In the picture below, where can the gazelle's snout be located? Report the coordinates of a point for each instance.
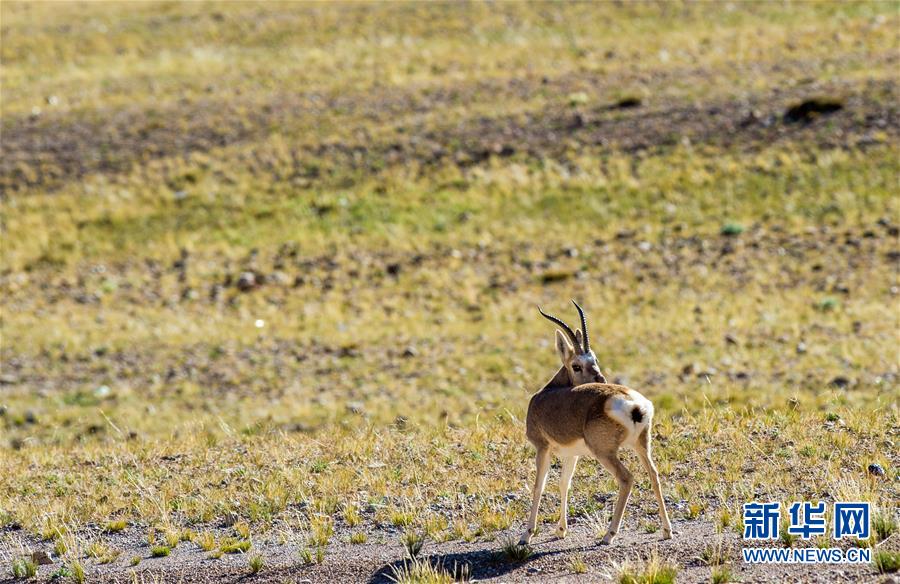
(598, 377)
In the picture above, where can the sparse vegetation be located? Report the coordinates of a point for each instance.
(654, 570)
(884, 523)
(422, 572)
(886, 561)
(513, 551)
(116, 526)
(235, 546)
(257, 282)
(23, 567)
(721, 574)
(256, 563)
(160, 551)
(412, 543)
(578, 565)
(206, 540)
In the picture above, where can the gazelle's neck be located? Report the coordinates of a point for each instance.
(561, 379)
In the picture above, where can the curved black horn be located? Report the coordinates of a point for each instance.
(563, 326)
(587, 341)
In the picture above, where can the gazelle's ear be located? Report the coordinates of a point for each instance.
(564, 347)
(578, 337)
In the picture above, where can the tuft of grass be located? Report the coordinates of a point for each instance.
(103, 553)
(424, 572)
(732, 229)
(359, 537)
(321, 529)
(76, 571)
(115, 526)
(884, 524)
(886, 561)
(206, 540)
(24, 567)
(235, 546)
(402, 518)
(513, 551)
(827, 304)
(578, 565)
(721, 574)
(242, 530)
(134, 561)
(173, 538)
(787, 538)
(351, 515)
(160, 551)
(412, 543)
(655, 570)
(256, 563)
(713, 555)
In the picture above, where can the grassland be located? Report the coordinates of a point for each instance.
(269, 276)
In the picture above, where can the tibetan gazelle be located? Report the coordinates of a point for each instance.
(578, 414)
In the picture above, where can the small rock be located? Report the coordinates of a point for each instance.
(801, 348)
(628, 102)
(393, 269)
(246, 282)
(808, 110)
(409, 352)
(731, 339)
(876, 470)
(278, 277)
(840, 382)
(41, 558)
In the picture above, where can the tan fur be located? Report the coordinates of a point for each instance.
(594, 419)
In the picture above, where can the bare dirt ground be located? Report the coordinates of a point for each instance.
(483, 561)
(45, 150)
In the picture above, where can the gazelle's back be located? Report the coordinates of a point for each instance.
(559, 416)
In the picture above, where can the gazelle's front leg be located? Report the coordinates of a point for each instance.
(542, 462)
(565, 481)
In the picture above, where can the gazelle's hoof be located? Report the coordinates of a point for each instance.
(607, 539)
(667, 534)
(561, 532)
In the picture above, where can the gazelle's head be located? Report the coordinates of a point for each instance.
(574, 349)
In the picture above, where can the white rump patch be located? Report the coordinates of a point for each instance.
(620, 408)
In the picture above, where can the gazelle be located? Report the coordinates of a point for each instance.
(578, 414)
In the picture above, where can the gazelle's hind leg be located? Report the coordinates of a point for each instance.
(565, 481)
(542, 462)
(642, 447)
(612, 463)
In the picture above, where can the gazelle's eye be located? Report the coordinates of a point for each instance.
(576, 368)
